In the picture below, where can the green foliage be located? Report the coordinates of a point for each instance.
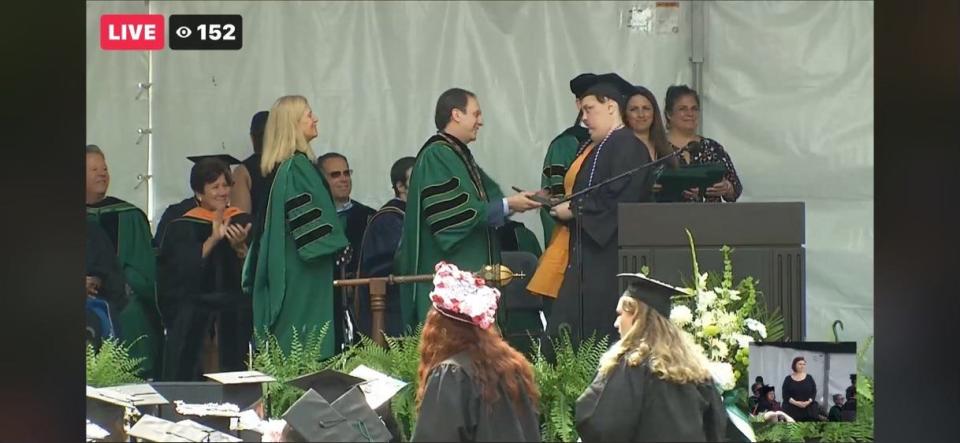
(112, 364)
(400, 360)
(860, 430)
(305, 357)
(562, 382)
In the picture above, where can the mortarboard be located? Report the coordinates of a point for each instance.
(765, 389)
(654, 293)
(215, 415)
(242, 388)
(613, 85)
(150, 428)
(107, 409)
(328, 383)
(258, 124)
(226, 158)
(349, 418)
(580, 83)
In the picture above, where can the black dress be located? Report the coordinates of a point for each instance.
(453, 411)
(712, 152)
(803, 390)
(633, 404)
(621, 152)
(193, 291)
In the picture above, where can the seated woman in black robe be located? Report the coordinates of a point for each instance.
(473, 385)
(198, 272)
(653, 384)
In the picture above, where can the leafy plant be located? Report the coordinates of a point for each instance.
(305, 357)
(112, 364)
(562, 382)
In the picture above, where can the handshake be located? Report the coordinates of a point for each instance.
(526, 200)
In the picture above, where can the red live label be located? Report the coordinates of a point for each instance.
(131, 31)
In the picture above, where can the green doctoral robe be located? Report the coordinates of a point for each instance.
(560, 154)
(129, 230)
(293, 286)
(446, 220)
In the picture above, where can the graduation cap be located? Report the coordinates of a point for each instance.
(611, 85)
(580, 83)
(228, 159)
(150, 428)
(215, 415)
(107, 410)
(328, 383)
(654, 293)
(349, 418)
(95, 432)
(765, 389)
(258, 124)
(242, 388)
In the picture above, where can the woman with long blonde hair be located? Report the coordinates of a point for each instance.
(653, 384)
(472, 385)
(293, 256)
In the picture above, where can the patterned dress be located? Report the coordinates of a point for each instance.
(713, 152)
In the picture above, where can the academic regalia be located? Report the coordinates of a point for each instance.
(379, 244)
(128, 230)
(452, 409)
(293, 288)
(193, 291)
(621, 152)
(447, 219)
(354, 221)
(562, 151)
(632, 404)
(515, 236)
(101, 261)
(172, 212)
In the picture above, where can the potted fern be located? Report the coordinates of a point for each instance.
(112, 365)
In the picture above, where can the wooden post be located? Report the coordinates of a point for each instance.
(378, 304)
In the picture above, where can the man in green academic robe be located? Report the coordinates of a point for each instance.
(561, 153)
(453, 206)
(293, 284)
(129, 231)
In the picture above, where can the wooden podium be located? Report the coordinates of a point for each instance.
(767, 238)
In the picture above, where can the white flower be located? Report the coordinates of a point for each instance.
(754, 325)
(681, 315)
(705, 299)
(720, 347)
(743, 341)
(734, 294)
(722, 374)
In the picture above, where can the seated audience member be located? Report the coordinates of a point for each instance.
(129, 233)
(849, 410)
(199, 269)
(682, 111)
(375, 256)
(834, 414)
(354, 215)
(473, 385)
(768, 407)
(653, 384)
(104, 278)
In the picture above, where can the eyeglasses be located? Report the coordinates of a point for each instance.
(336, 174)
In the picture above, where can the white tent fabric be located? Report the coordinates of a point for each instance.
(787, 89)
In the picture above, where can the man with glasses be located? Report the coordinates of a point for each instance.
(353, 214)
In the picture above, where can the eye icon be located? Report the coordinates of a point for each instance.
(183, 32)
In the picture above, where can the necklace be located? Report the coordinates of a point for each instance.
(593, 168)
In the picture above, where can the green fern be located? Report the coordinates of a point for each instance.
(305, 357)
(112, 364)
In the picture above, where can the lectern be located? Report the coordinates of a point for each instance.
(767, 238)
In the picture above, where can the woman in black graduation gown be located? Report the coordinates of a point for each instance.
(799, 391)
(612, 149)
(473, 386)
(653, 384)
(199, 270)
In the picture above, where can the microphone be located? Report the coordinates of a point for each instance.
(694, 147)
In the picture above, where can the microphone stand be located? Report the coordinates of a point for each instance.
(692, 147)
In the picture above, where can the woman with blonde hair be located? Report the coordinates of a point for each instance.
(293, 256)
(653, 384)
(472, 385)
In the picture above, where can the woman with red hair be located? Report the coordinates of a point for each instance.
(473, 385)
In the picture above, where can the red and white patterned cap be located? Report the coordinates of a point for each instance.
(463, 296)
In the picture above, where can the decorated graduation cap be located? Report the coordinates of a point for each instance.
(654, 293)
(242, 388)
(462, 296)
(258, 124)
(227, 159)
(613, 86)
(150, 428)
(349, 418)
(580, 83)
